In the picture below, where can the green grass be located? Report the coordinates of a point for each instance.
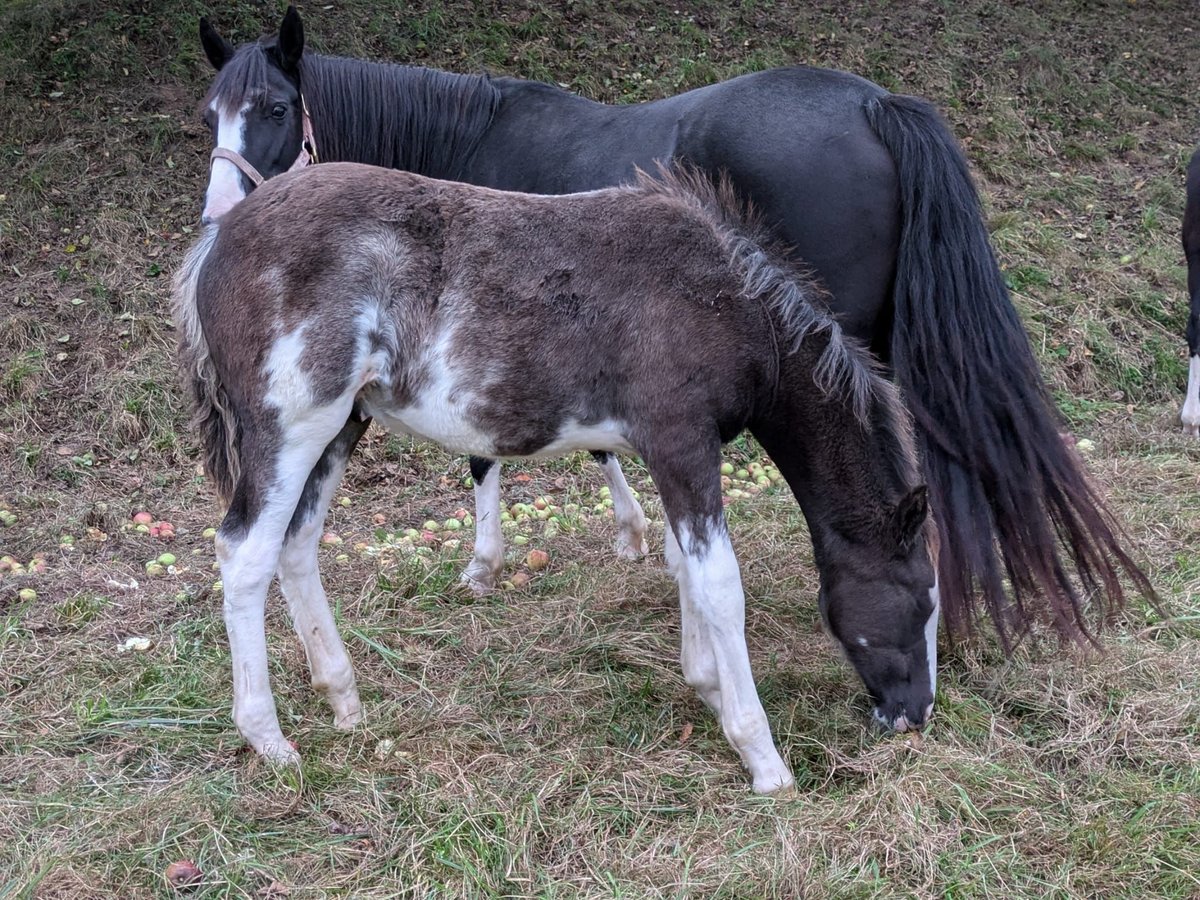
(541, 742)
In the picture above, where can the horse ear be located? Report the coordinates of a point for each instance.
(216, 48)
(291, 40)
(909, 516)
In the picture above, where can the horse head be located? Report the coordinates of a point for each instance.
(882, 608)
(255, 112)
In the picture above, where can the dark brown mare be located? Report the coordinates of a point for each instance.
(867, 187)
(649, 319)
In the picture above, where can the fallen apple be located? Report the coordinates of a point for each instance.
(537, 560)
(183, 873)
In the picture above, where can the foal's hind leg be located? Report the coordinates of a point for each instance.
(485, 565)
(328, 663)
(631, 521)
(709, 580)
(248, 548)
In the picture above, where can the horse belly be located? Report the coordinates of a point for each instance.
(607, 435)
(446, 423)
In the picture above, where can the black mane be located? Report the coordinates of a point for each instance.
(399, 117)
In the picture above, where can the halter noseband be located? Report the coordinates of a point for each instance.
(308, 151)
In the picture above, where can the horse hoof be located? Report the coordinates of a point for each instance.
(634, 548)
(776, 784)
(348, 720)
(284, 754)
(478, 583)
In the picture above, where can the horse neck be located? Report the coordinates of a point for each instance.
(847, 473)
(399, 117)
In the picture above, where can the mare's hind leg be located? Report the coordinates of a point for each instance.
(631, 521)
(1190, 413)
(484, 568)
(328, 663)
(249, 541)
(711, 588)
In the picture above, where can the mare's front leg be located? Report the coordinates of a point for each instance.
(275, 467)
(328, 662)
(631, 521)
(485, 566)
(712, 601)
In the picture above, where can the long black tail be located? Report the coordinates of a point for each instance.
(1010, 497)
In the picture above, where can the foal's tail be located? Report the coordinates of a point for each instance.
(1009, 495)
(214, 418)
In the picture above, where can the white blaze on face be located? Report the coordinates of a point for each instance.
(224, 180)
(1190, 414)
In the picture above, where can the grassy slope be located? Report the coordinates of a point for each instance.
(542, 742)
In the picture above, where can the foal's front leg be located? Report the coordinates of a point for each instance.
(714, 607)
(328, 662)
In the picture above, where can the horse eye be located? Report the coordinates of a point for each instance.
(279, 110)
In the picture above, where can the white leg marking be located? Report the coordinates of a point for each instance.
(631, 521)
(224, 180)
(695, 650)
(714, 587)
(328, 662)
(1190, 414)
(488, 560)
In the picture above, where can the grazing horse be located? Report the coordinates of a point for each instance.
(652, 319)
(1190, 414)
(868, 188)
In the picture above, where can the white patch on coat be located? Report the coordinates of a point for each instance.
(225, 189)
(608, 434)
(1190, 414)
(289, 389)
(441, 411)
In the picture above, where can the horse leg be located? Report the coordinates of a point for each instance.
(695, 649)
(328, 662)
(711, 595)
(1190, 413)
(631, 521)
(275, 467)
(488, 561)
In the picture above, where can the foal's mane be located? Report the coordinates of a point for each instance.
(399, 117)
(798, 302)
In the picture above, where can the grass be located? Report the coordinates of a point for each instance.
(541, 742)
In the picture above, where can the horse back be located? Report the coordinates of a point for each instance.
(794, 141)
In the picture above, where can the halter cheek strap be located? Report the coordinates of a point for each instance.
(308, 151)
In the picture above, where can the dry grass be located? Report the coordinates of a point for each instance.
(541, 743)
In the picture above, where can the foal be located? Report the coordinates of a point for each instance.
(646, 319)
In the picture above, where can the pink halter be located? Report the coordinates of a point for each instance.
(308, 151)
